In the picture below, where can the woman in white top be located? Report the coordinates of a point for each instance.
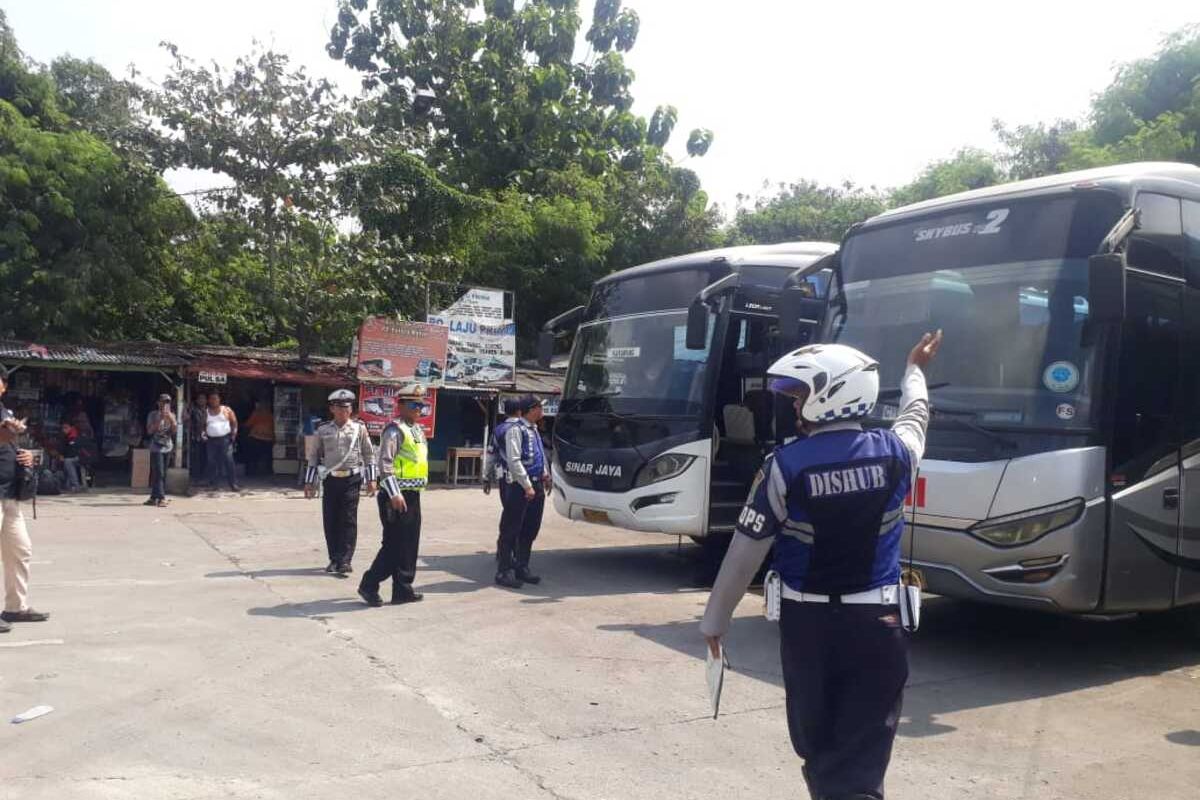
(220, 432)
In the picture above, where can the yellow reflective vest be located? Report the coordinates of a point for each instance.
(411, 464)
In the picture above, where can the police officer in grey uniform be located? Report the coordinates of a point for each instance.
(344, 458)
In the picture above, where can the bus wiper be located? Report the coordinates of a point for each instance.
(574, 402)
(959, 417)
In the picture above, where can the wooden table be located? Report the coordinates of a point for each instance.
(454, 458)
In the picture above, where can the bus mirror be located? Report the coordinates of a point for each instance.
(697, 325)
(799, 314)
(1106, 288)
(545, 349)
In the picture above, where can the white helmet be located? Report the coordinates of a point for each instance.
(841, 382)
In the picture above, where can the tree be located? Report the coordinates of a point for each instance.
(967, 169)
(1031, 151)
(85, 236)
(804, 211)
(109, 108)
(278, 135)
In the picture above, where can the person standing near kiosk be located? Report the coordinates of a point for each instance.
(344, 457)
(524, 499)
(404, 467)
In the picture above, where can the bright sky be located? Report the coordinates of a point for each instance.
(861, 91)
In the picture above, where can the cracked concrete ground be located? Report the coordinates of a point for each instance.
(200, 652)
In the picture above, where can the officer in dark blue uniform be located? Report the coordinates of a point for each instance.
(832, 503)
(527, 479)
(494, 469)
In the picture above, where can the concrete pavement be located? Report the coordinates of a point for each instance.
(200, 652)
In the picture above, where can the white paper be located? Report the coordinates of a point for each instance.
(33, 713)
(715, 672)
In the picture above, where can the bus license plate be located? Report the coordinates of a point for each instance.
(592, 515)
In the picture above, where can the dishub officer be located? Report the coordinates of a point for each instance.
(833, 505)
(527, 476)
(404, 466)
(344, 457)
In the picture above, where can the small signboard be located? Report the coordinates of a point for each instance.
(378, 406)
(213, 377)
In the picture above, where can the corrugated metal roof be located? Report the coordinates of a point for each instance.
(539, 382)
(128, 354)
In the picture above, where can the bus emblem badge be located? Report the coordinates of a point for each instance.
(1065, 411)
(1061, 377)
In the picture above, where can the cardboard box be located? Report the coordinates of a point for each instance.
(279, 451)
(139, 474)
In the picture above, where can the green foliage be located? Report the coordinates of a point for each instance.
(804, 211)
(967, 169)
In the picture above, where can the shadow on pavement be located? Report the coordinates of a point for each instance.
(267, 573)
(1189, 738)
(969, 656)
(313, 609)
(579, 572)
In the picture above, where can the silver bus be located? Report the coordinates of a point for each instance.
(1063, 461)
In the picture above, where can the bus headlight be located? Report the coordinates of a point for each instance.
(1027, 526)
(663, 468)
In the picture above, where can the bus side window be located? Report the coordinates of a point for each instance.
(1191, 237)
(1155, 246)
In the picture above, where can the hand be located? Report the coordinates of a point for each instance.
(372, 488)
(487, 487)
(714, 645)
(925, 349)
(25, 458)
(530, 493)
(546, 481)
(310, 491)
(398, 503)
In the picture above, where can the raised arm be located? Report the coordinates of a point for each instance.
(913, 419)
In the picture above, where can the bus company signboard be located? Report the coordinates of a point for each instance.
(379, 405)
(482, 349)
(400, 352)
(212, 377)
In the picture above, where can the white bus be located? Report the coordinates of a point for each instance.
(659, 433)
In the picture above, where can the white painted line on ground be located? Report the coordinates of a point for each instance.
(32, 643)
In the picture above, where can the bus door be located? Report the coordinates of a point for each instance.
(1146, 476)
(1188, 591)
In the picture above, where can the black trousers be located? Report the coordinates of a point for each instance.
(397, 557)
(520, 522)
(844, 669)
(197, 460)
(339, 511)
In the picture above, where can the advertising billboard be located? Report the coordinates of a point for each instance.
(395, 351)
(482, 344)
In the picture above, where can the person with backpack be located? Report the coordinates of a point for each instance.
(494, 470)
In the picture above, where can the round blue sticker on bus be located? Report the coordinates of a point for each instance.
(1061, 377)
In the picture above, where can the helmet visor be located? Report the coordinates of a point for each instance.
(789, 386)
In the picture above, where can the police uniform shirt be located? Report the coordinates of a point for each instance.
(523, 453)
(334, 444)
(494, 463)
(833, 506)
(389, 446)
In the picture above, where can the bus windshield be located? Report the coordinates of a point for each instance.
(636, 365)
(1007, 282)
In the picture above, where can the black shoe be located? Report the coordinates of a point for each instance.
(151, 502)
(343, 570)
(332, 567)
(370, 596)
(4, 627)
(28, 615)
(409, 596)
(525, 576)
(508, 578)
